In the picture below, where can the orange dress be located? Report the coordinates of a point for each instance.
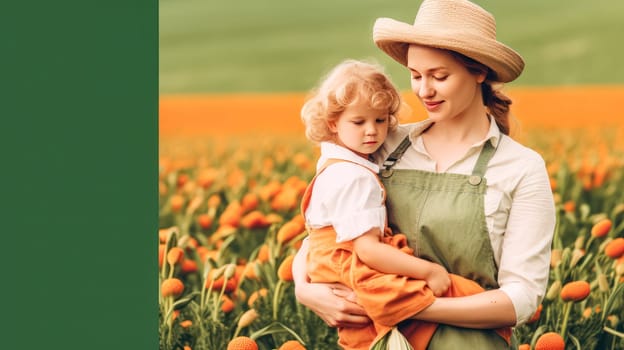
(388, 299)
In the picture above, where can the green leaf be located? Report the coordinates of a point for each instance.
(273, 328)
(179, 304)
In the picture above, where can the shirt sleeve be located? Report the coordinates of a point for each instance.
(525, 259)
(354, 202)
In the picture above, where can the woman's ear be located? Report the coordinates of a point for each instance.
(481, 77)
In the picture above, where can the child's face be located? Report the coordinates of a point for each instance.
(361, 128)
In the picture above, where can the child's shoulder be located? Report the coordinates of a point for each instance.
(344, 172)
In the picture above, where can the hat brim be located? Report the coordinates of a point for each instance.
(394, 38)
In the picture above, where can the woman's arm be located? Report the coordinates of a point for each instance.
(490, 309)
(333, 303)
(388, 259)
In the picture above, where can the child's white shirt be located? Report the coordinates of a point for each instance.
(345, 195)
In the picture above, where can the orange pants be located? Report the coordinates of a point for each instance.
(388, 299)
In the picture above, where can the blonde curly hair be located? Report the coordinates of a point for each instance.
(344, 85)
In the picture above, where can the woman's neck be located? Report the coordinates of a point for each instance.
(448, 141)
(463, 129)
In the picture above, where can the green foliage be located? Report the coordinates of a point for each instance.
(587, 189)
(277, 46)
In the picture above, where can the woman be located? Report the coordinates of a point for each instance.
(467, 196)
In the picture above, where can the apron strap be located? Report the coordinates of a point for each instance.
(487, 152)
(397, 153)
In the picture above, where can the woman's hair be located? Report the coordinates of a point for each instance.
(349, 82)
(496, 102)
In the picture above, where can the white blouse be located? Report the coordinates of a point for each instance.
(346, 196)
(519, 209)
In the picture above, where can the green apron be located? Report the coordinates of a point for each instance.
(443, 217)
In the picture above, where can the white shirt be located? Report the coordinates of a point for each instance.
(519, 209)
(346, 196)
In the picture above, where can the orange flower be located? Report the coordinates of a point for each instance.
(236, 178)
(274, 218)
(176, 201)
(536, 315)
(250, 271)
(249, 202)
(524, 347)
(254, 219)
(175, 255)
(285, 200)
(189, 266)
(186, 347)
(263, 254)
(227, 304)
(232, 214)
(247, 318)
(182, 180)
(302, 161)
(569, 206)
(575, 291)
(186, 323)
(222, 232)
(296, 184)
(284, 272)
(214, 201)
(268, 191)
(292, 345)
(230, 285)
(172, 287)
(262, 292)
(205, 253)
(555, 257)
(206, 177)
(615, 248)
(601, 228)
(289, 230)
(553, 184)
(550, 341)
(242, 343)
(204, 221)
(192, 243)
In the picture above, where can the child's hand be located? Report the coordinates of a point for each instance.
(438, 279)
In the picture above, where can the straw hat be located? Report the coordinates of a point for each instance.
(457, 25)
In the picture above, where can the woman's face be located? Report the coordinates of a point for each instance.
(445, 87)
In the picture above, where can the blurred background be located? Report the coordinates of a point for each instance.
(210, 46)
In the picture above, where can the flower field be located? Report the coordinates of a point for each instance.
(230, 224)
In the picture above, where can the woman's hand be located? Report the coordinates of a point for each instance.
(333, 303)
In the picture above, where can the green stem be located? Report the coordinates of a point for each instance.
(215, 312)
(238, 328)
(566, 314)
(276, 298)
(169, 320)
(613, 331)
(171, 269)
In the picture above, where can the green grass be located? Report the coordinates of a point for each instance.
(276, 46)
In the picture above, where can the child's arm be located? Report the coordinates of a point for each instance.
(388, 259)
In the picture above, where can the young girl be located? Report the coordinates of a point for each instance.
(350, 115)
